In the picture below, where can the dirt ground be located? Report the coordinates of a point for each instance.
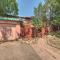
(17, 51)
(45, 51)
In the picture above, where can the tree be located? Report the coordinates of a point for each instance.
(39, 19)
(53, 10)
(47, 14)
(40, 15)
(8, 7)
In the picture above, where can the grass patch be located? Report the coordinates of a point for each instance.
(57, 34)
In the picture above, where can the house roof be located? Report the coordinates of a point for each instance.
(15, 18)
(9, 18)
(26, 18)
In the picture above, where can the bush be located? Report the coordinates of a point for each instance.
(57, 34)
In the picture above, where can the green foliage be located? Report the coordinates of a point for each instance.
(49, 12)
(54, 7)
(40, 16)
(8, 7)
(36, 22)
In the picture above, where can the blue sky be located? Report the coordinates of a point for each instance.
(26, 7)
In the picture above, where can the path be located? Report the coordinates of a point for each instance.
(17, 51)
(45, 51)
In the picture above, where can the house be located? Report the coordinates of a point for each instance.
(27, 27)
(9, 28)
(12, 28)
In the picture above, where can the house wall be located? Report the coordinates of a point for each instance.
(27, 29)
(9, 30)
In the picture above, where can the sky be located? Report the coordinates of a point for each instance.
(26, 7)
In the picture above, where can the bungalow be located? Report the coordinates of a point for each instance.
(12, 28)
(9, 28)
